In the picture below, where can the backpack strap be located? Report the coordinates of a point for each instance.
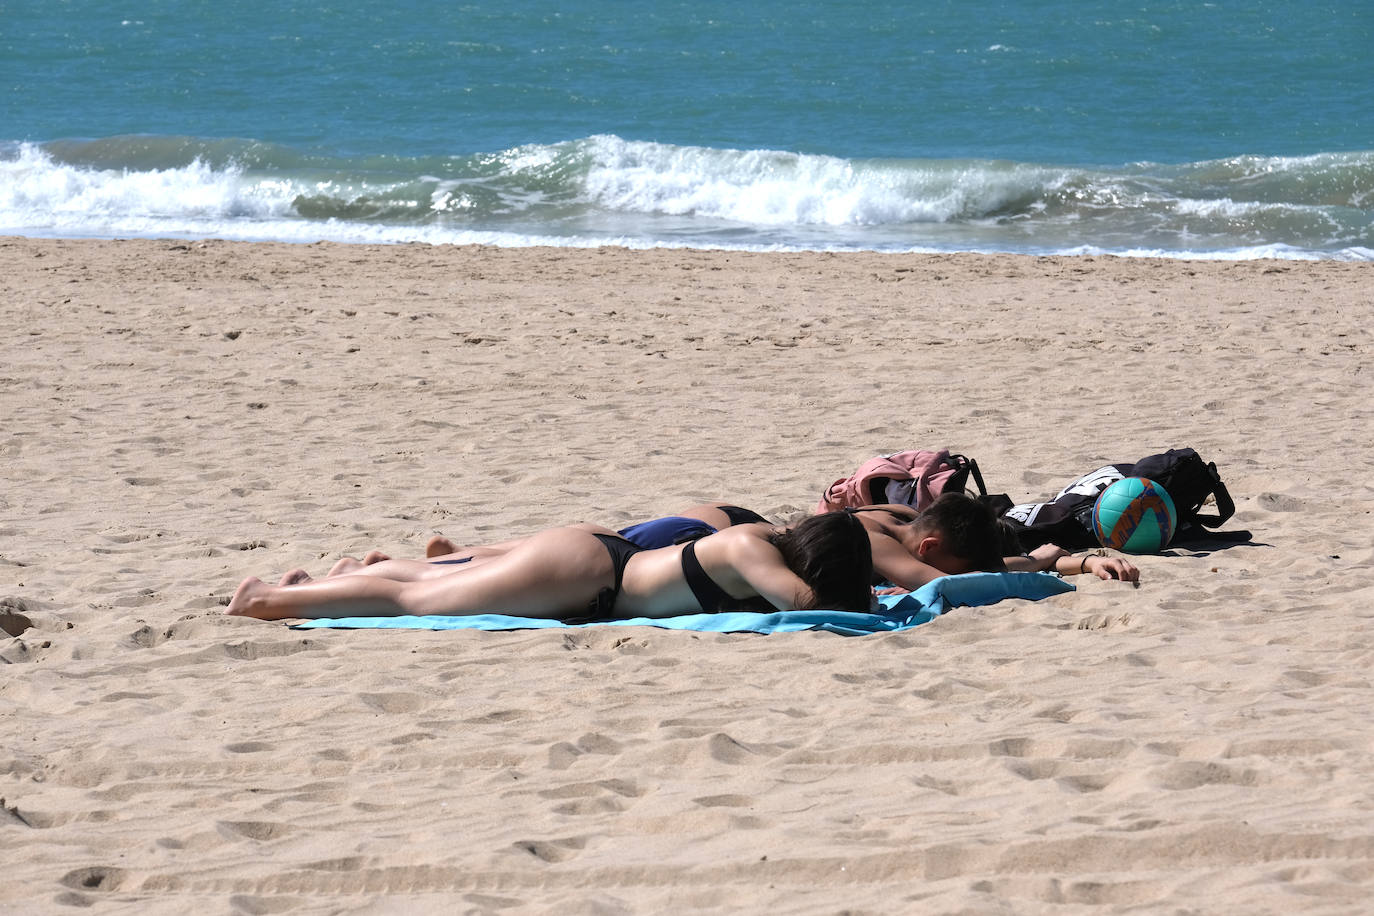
(1225, 506)
(972, 467)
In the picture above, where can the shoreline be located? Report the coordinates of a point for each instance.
(519, 242)
(182, 414)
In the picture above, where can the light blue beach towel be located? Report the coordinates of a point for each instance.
(898, 612)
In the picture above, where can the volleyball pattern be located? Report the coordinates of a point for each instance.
(1135, 515)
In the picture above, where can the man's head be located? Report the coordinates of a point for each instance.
(958, 534)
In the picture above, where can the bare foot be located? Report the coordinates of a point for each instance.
(295, 577)
(374, 556)
(242, 604)
(345, 566)
(439, 546)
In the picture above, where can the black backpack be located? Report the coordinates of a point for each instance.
(1066, 520)
(1188, 481)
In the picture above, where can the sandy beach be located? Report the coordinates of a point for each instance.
(175, 416)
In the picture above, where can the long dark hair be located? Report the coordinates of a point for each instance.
(831, 553)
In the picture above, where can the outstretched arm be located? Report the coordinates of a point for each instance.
(1044, 558)
(1049, 558)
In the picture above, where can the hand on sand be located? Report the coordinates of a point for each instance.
(1114, 568)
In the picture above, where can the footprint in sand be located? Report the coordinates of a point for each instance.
(1278, 502)
(248, 747)
(606, 796)
(1103, 622)
(552, 850)
(723, 801)
(145, 637)
(394, 703)
(589, 806)
(13, 624)
(1190, 774)
(253, 830)
(725, 749)
(94, 878)
(563, 754)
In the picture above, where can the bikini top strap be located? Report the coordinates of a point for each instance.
(709, 595)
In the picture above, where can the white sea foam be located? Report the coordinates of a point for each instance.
(769, 188)
(40, 194)
(609, 191)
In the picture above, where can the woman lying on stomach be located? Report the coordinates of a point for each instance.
(588, 573)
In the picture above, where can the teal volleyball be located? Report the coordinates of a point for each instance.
(1135, 515)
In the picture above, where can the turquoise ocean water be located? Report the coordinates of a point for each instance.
(1219, 129)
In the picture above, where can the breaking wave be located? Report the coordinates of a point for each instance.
(608, 190)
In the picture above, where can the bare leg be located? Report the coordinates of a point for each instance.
(399, 570)
(438, 542)
(443, 548)
(551, 574)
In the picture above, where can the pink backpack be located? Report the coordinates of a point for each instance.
(911, 478)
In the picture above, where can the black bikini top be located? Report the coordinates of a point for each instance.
(709, 595)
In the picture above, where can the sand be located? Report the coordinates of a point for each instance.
(179, 415)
